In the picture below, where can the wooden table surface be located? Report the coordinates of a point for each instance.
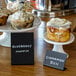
(41, 47)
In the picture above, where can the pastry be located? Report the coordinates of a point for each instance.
(14, 6)
(20, 5)
(27, 6)
(4, 13)
(20, 20)
(58, 30)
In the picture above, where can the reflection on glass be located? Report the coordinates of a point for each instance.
(57, 4)
(43, 5)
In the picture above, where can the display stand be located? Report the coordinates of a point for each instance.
(5, 38)
(58, 46)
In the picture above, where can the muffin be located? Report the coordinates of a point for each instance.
(21, 20)
(58, 30)
(4, 13)
(20, 5)
(14, 6)
(28, 6)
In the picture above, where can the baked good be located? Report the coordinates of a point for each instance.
(14, 6)
(58, 30)
(4, 13)
(27, 7)
(21, 20)
(20, 5)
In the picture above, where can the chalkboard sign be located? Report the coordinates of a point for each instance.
(55, 60)
(22, 48)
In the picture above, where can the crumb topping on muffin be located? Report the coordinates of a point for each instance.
(21, 19)
(20, 15)
(16, 5)
(4, 12)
